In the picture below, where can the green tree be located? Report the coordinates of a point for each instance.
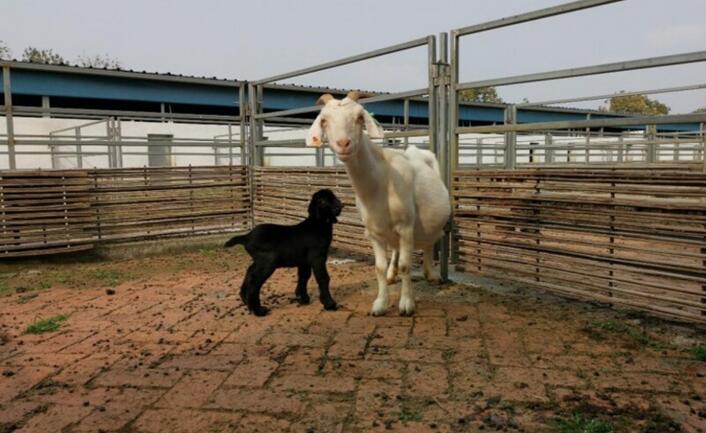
(98, 61)
(637, 104)
(4, 51)
(36, 55)
(481, 94)
(700, 110)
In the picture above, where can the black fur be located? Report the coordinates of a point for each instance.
(304, 245)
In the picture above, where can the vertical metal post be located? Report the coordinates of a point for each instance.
(252, 138)
(588, 141)
(621, 148)
(453, 102)
(510, 137)
(7, 91)
(405, 108)
(703, 145)
(479, 153)
(118, 134)
(548, 151)
(79, 149)
(443, 145)
(109, 139)
(651, 135)
(242, 110)
(45, 106)
(252, 103)
(260, 127)
(432, 72)
(230, 144)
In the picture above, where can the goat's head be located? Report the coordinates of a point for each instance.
(341, 122)
(325, 206)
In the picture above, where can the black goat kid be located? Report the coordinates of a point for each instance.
(304, 245)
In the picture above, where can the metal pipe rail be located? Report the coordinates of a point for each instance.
(593, 123)
(649, 62)
(346, 60)
(531, 16)
(363, 101)
(613, 95)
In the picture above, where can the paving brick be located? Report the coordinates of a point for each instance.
(119, 409)
(303, 360)
(193, 389)
(259, 423)
(186, 421)
(331, 383)
(429, 326)
(348, 346)
(377, 400)
(13, 381)
(255, 400)
(360, 369)
(253, 372)
(139, 378)
(427, 379)
(201, 362)
(55, 419)
(294, 339)
(393, 336)
(323, 416)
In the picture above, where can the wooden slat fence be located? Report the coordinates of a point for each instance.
(630, 237)
(46, 212)
(282, 196)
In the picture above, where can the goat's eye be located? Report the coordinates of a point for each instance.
(360, 119)
(323, 123)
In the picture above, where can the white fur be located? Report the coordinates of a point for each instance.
(400, 195)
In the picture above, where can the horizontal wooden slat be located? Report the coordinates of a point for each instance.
(633, 237)
(48, 212)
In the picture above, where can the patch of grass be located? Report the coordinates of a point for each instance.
(581, 424)
(5, 288)
(410, 410)
(699, 352)
(108, 277)
(596, 328)
(46, 325)
(448, 355)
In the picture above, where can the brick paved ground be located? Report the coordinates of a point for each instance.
(175, 352)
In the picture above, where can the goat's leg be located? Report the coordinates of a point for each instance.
(322, 279)
(304, 272)
(381, 302)
(392, 268)
(430, 274)
(259, 275)
(247, 280)
(407, 291)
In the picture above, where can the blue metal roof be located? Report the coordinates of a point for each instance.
(120, 85)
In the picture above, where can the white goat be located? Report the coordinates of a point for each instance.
(400, 195)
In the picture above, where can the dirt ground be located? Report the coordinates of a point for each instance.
(162, 344)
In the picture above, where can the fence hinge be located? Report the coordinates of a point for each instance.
(441, 75)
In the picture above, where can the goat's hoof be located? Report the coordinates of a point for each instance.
(433, 278)
(330, 306)
(260, 311)
(406, 306)
(379, 307)
(303, 300)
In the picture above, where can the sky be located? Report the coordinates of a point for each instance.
(260, 38)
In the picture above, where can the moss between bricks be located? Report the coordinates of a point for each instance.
(46, 325)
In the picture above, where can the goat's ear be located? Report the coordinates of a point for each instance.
(315, 136)
(373, 127)
(314, 208)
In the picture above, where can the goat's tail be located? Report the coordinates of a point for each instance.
(236, 240)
